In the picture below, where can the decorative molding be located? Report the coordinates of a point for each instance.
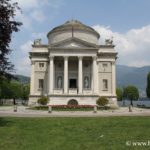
(65, 57)
(76, 40)
(51, 57)
(80, 57)
(32, 62)
(94, 57)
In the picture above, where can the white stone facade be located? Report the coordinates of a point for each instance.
(73, 66)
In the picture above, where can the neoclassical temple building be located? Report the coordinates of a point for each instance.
(73, 66)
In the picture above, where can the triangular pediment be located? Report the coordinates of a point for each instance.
(74, 43)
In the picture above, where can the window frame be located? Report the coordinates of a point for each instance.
(41, 65)
(105, 84)
(41, 84)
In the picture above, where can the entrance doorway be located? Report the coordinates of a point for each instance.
(72, 83)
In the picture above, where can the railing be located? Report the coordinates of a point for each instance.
(73, 91)
(87, 91)
(58, 91)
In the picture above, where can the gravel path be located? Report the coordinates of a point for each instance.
(23, 112)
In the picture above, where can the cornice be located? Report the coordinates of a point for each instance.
(40, 46)
(106, 46)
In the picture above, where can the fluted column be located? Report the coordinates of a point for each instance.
(51, 75)
(80, 75)
(65, 75)
(113, 79)
(32, 78)
(95, 76)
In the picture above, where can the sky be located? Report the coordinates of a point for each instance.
(127, 21)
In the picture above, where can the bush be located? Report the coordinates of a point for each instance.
(102, 101)
(43, 100)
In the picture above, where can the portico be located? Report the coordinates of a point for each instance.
(72, 75)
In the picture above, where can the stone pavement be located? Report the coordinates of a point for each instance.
(24, 112)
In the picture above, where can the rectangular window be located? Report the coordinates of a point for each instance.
(41, 65)
(105, 84)
(41, 83)
(105, 65)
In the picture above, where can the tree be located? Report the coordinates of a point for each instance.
(8, 25)
(131, 93)
(25, 91)
(148, 85)
(119, 93)
(10, 90)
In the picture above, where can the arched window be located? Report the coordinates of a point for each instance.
(72, 102)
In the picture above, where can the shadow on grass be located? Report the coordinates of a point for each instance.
(4, 122)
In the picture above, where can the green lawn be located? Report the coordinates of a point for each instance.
(108, 133)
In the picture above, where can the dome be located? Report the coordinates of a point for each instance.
(75, 24)
(73, 28)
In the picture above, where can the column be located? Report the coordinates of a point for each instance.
(32, 78)
(113, 79)
(95, 76)
(66, 75)
(80, 74)
(51, 74)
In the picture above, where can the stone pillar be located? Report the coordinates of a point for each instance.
(32, 78)
(66, 75)
(80, 75)
(51, 74)
(113, 79)
(95, 76)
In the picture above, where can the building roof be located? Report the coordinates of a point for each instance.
(72, 25)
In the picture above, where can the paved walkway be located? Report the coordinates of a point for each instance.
(24, 112)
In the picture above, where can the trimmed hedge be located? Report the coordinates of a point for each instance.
(102, 101)
(43, 100)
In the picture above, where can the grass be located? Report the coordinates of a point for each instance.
(107, 133)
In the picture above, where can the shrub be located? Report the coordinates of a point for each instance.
(43, 100)
(102, 101)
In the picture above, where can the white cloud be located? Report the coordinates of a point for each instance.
(40, 35)
(38, 16)
(133, 46)
(27, 4)
(30, 4)
(23, 67)
(26, 47)
(33, 10)
(27, 23)
(140, 63)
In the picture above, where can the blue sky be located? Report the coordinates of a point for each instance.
(127, 21)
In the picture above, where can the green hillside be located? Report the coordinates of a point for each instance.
(132, 75)
(22, 79)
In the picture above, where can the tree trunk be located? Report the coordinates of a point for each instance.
(14, 101)
(131, 103)
(1, 101)
(123, 102)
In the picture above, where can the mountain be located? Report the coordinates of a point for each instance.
(132, 76)
(22, 79)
